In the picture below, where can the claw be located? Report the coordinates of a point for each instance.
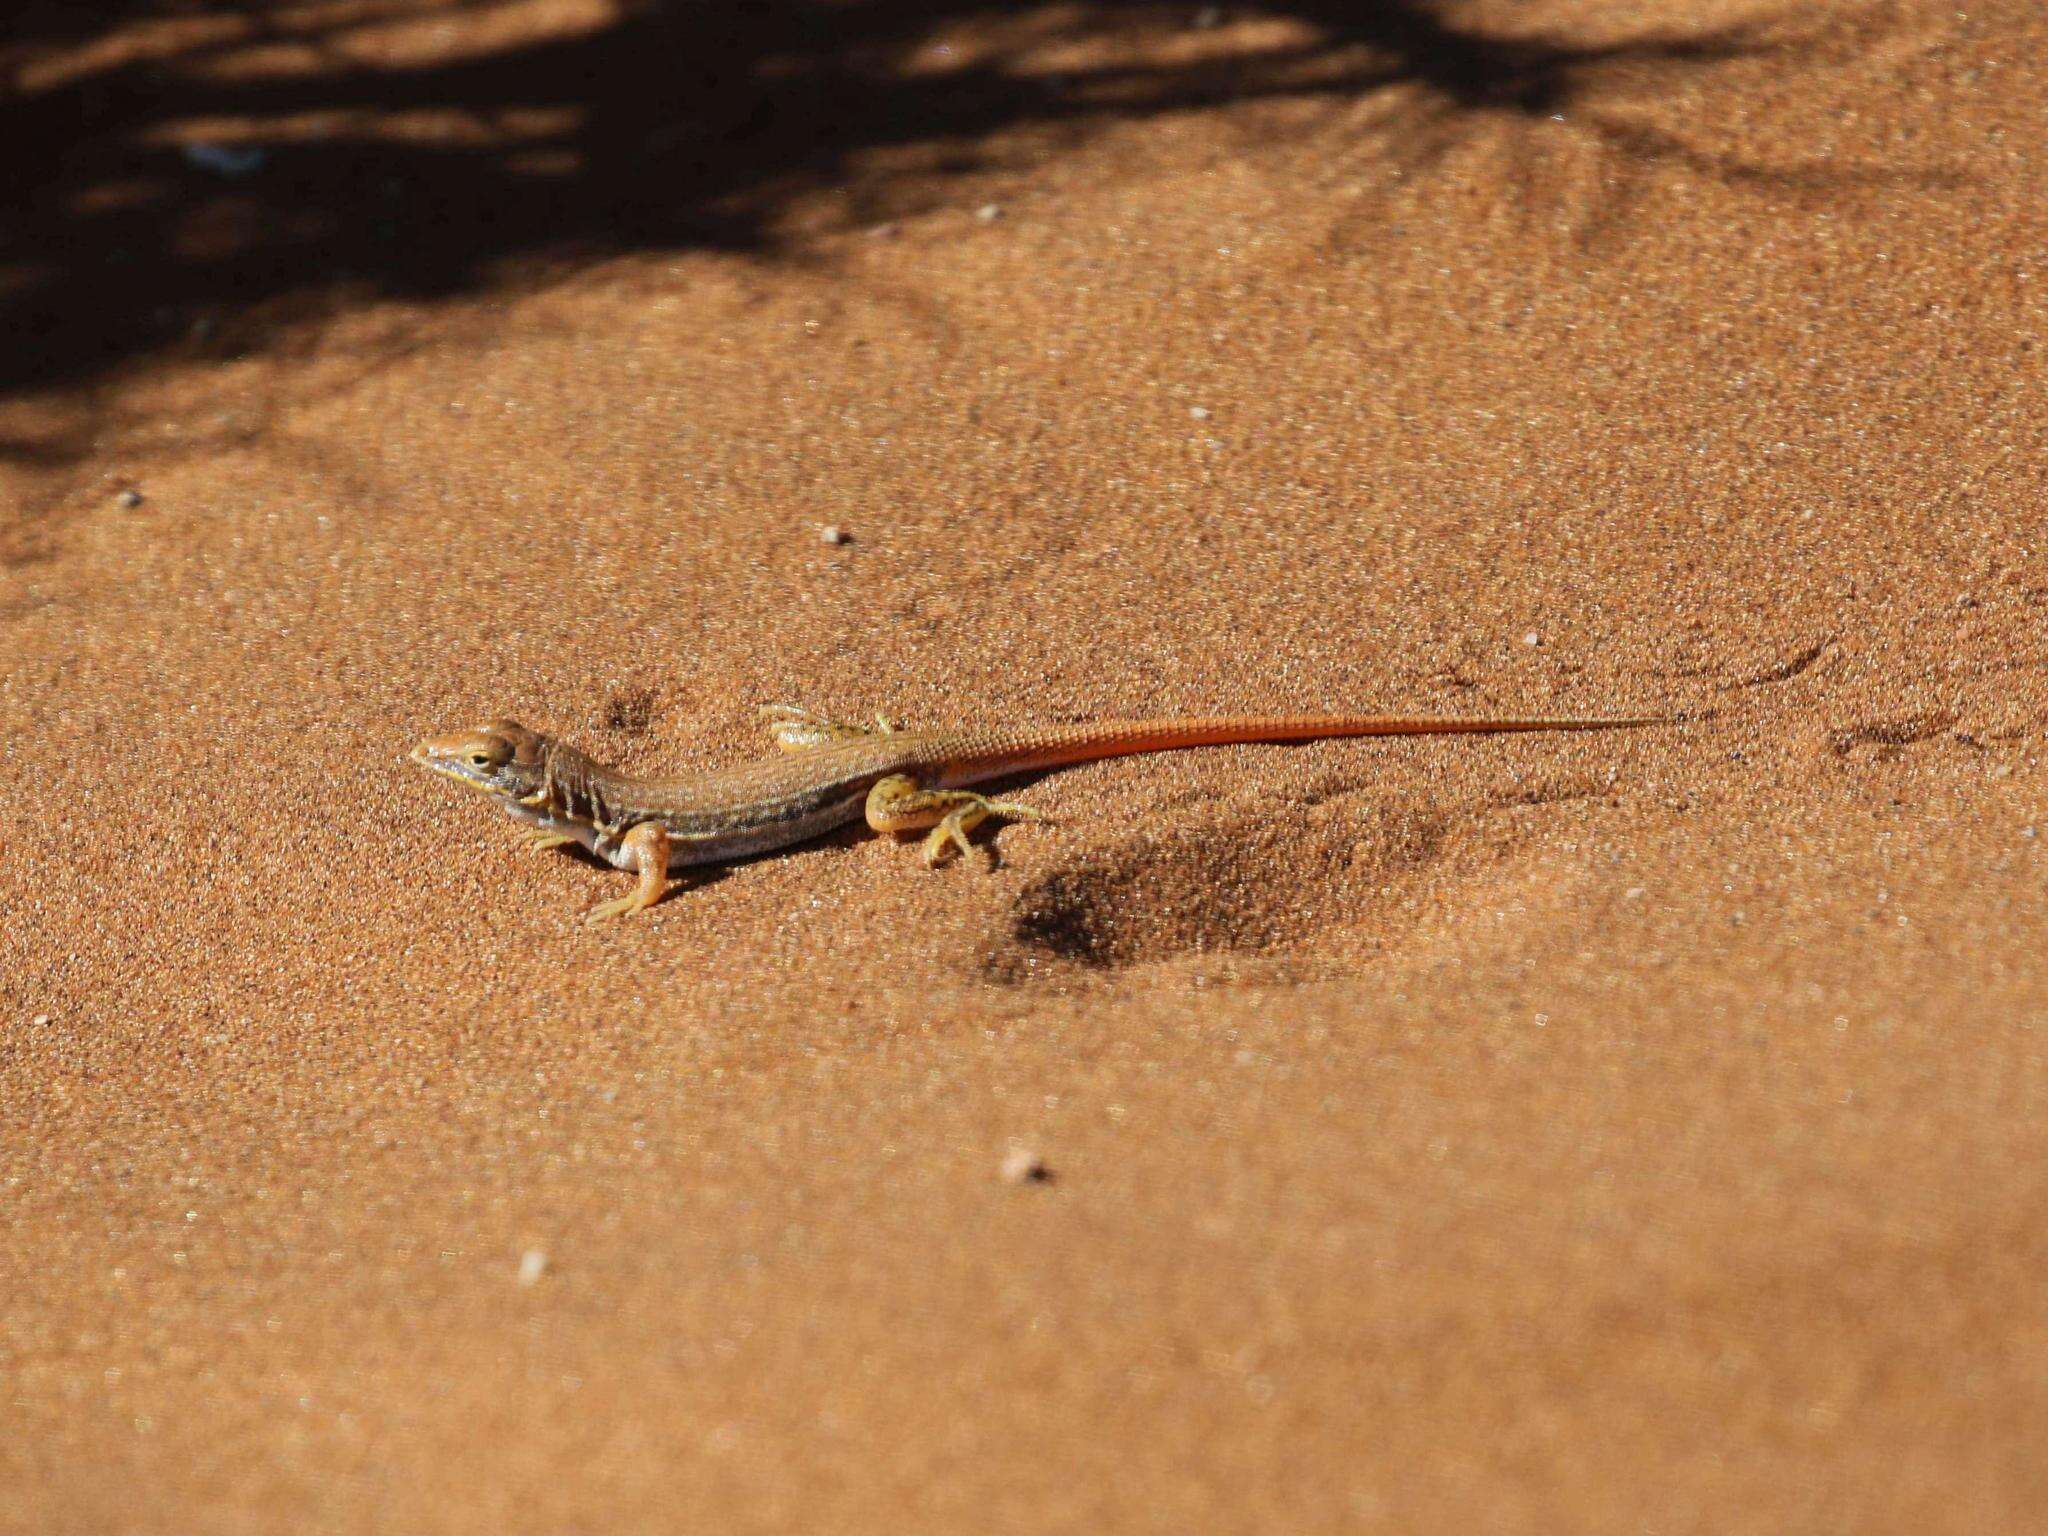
(947, 836)
(604, 911)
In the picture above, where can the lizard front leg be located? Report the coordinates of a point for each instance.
(647, 850)
(540, 839)
(898, 804)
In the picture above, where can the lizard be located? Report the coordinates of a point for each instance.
(833, 773)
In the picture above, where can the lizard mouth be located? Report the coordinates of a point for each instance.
(448, 767)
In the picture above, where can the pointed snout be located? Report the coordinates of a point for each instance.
(440, 754)
(439, 749)
(432, 751)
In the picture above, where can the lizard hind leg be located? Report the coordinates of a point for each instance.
(648, 845)
(799, 730)
(898, 804)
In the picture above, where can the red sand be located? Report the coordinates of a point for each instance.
(1600, 1133)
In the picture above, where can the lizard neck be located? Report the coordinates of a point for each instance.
(577, 788)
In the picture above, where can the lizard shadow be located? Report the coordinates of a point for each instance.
(688, 878)
(1341, 879)
(1247, 885)
(696, 877)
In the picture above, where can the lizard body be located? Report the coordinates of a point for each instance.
(831, 774)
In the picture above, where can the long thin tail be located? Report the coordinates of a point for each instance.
(1003, 752)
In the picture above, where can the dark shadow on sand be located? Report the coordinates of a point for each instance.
(194, 176)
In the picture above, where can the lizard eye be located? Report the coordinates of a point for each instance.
(479, 759)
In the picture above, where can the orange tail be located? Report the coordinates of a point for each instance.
(1057, 745)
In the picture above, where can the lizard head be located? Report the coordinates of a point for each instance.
(502, 759)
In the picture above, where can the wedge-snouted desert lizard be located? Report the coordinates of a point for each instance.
(831, 774)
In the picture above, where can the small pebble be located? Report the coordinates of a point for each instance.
(1199, 412)
(1021, 1165)
(832, 533)
(43, 1018)
(129, 499)
(1532, 638)
(532, 1265)
(988, 213)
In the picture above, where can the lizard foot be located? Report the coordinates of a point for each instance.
(798, 730)
(648, 849)
(897, 804)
